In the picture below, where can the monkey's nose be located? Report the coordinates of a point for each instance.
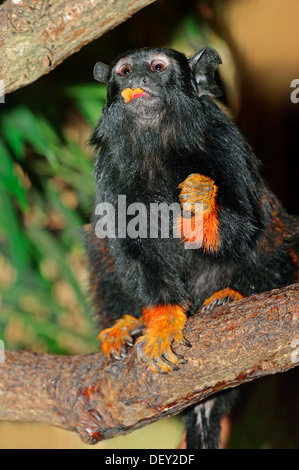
(136, 82)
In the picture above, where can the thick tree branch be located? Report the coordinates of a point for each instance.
(97, 398)
(37, 35)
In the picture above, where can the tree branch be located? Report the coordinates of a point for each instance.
(36, 36)
(98, 399)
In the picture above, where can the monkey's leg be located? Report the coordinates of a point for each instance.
(221, 297)
(197, 188)
(163, 325)
(114, 340)
(203, 421)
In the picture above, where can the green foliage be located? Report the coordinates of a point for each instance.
(46, 195)
(86, 96)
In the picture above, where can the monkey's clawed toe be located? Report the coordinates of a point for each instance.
(221, 297)
(116, 341)
(157, 353)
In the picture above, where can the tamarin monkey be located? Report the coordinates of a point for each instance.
(163, 139)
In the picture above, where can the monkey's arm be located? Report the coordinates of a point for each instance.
(203, 229)
(225, 179)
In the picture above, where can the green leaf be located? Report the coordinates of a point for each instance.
(44, 242)
(14, 137)
(31, 129)
(9, 180)
(16, 243)
(90, 100)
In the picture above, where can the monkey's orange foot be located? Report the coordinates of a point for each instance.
(203, 229)
(164, 325)
(116, 339)
(221, 297)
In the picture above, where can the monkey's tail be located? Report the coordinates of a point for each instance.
(203, 421)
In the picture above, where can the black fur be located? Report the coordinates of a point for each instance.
(145, 149)
(203, 420)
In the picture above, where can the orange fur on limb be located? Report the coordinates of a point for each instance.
(201, 189)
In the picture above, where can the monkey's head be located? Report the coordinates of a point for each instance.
(146, 80)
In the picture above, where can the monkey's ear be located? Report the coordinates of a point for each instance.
(204, 65)
(101, 72)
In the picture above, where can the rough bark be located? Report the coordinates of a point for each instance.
(37, 35)
(98, 398)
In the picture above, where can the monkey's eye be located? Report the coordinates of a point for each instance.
(158, 66)
(126, 70)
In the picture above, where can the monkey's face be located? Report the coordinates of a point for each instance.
(146, 81)
(152, 84)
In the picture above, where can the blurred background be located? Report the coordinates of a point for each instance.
(47, 189)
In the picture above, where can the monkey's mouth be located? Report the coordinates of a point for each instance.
(129, 94)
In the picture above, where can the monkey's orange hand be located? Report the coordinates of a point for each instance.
(164, 324)
(128, 94)
(197, 188)
(116, 339)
